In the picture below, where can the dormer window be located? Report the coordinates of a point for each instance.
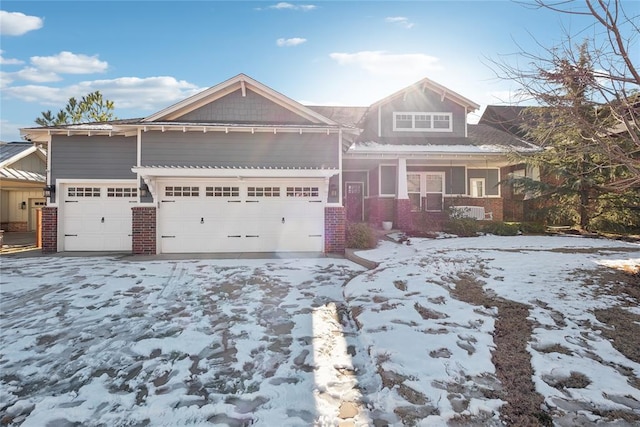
(422, 122)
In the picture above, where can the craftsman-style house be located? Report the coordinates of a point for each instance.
(240, 167)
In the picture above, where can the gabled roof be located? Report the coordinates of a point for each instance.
(481, 139)
(11, 153)
(348, 116)
(426, 83)
(240, 82)
(14, 151)
(504, 117)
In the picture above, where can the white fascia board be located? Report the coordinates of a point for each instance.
(130, 130)
(205, 172)
(20, 155)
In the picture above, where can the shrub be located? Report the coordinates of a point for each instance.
(532, 227)
(501, 228)
(463, 227)
(360, 236)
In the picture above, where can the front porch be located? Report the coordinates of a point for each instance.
(379, 209)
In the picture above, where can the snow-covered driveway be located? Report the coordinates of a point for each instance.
(460, 332)
(108, 341)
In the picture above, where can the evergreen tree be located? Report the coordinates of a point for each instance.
(91, 108)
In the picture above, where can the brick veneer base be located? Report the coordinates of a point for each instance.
(334, 229)
(49, 229)
(17, 226)
(144, 230)
(380, 209)
(403, 215)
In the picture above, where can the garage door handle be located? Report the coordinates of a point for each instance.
(283, 220)
(70, 235)
(102, 220)
(201, 220)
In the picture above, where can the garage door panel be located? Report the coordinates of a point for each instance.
(261, 217)
(97, 217)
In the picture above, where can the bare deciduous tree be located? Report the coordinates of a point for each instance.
(610, 136)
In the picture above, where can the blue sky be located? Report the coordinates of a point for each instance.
(148, 55)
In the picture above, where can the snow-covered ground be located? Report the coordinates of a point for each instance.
(438, 347)
(115, 341)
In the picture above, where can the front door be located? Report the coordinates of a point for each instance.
(354, 201)
(34, 205)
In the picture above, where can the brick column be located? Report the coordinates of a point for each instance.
(403, 215)
(335, 218)
(49, 229)
(144, 230)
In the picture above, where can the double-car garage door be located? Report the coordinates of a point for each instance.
(241, 216)
(200, 216)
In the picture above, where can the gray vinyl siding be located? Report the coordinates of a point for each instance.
(388, 177)
(491, 177)
(239, 149)
(428, 102)
(92, 157)
(235, 108)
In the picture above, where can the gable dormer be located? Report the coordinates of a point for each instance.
(240, 100)
(418, 113)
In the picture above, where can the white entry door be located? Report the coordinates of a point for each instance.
(245, 216)
(98, 217)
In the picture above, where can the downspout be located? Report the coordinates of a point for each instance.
(340, 167)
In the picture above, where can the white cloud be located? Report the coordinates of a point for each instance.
(290, 6)
(17, 24)
(150, 93)
(403, 21)
(9, 61)
(295, 41)
(382, 63)
(70, 63)
(33, 74)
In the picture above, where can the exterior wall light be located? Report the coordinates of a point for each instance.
(144, 190)
(48, 191)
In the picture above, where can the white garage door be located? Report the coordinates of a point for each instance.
(251, 216)
(98, 217)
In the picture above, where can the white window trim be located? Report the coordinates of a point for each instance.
(413, 120)
(474, 188)
(486, 196)
(423, 187)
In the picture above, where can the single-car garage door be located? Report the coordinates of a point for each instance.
(246, 216)
(98, 217)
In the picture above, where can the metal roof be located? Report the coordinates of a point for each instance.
(12, 149)
(18, 175)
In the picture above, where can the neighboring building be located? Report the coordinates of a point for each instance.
(22, 176)
(242, 168)
(517, 204)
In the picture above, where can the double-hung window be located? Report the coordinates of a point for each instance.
(426, 191)
(422, 122)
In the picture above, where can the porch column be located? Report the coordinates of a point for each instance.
(49, 229)
(401, 191)
(143, 230)
(403, 204)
